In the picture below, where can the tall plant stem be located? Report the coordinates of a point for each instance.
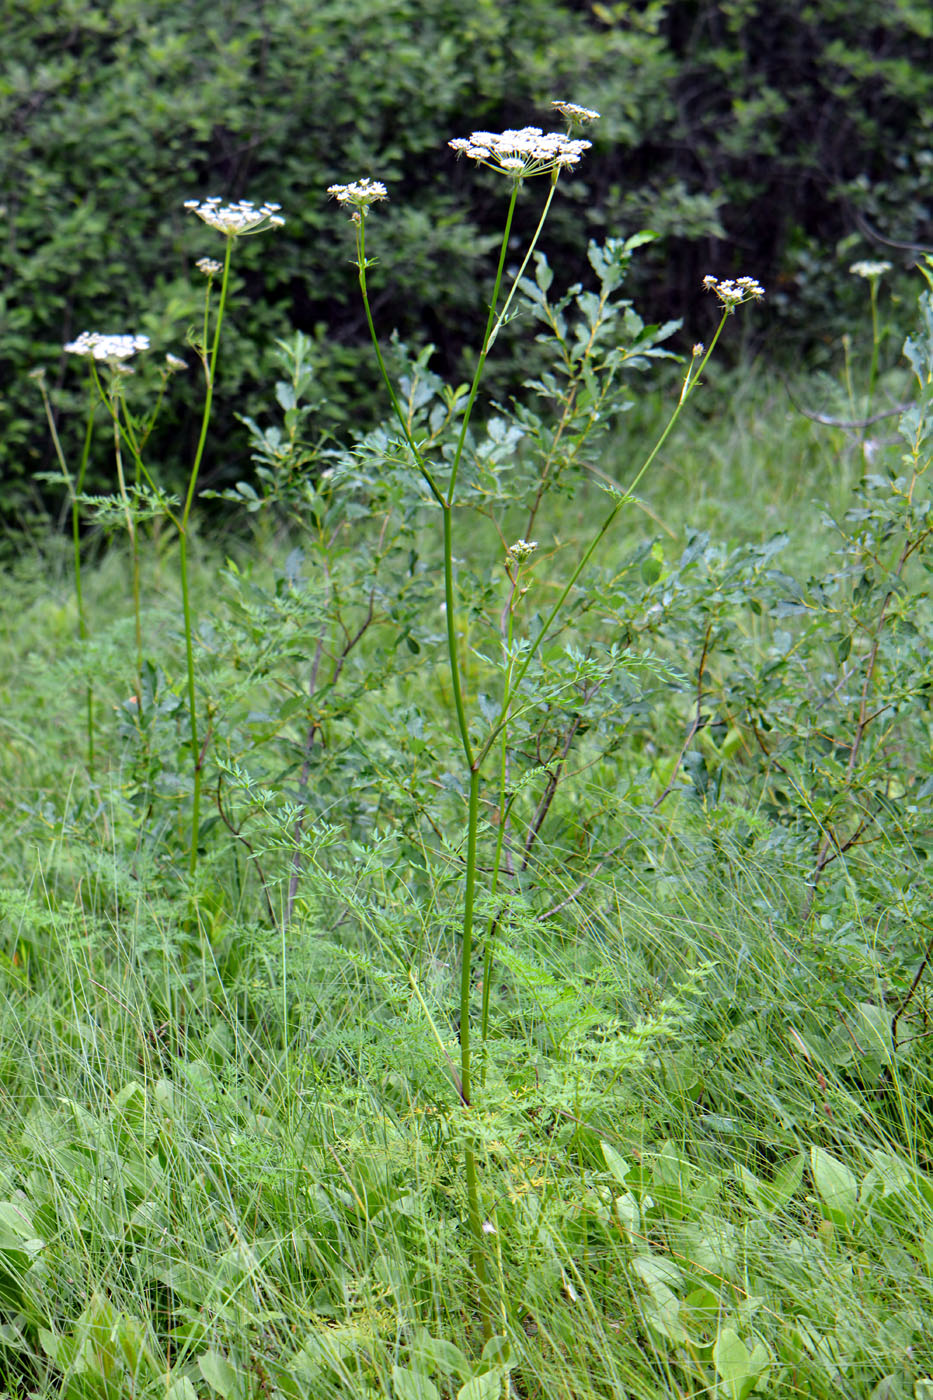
(690, 383)
(472, 762)
(74, 491)
(134, 553)
(210, 369)
(875, 343)
(466, 1080)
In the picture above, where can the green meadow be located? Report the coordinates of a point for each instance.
(456, 947)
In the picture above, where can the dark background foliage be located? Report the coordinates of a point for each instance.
(780, 139)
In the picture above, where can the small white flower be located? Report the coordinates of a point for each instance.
(732, 293)
(577, 116)
(237, 219)
(359, 194)
(175, 363)
(488, 1227)
(870, 270)
(698, 349)
(209, 266)
(112, 348)
(520, 154)
(521, 550)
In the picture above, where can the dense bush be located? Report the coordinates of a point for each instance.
(786, 127)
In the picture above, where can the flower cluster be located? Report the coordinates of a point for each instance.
(870, 270)
(518, 154)
(360, 194)
(576, 115)
(236, 219)
(209, 266)
(521, 550)
(113, 348)
(732, 294)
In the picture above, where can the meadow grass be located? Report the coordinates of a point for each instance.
(231, 1152)
(466, 935)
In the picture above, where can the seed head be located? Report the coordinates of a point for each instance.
(112, 348)
(360, 194)
(234, 220)
(520, 154)
(575, 115)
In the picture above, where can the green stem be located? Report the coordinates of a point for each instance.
(500, 319)
(489, 943)
(74, 491)
(210, 370)
(470, 1172)
(134, 553)
(484, 350)
(453, 654)
(390, 388)
(690, 382)
(873, 371)
(466, 951)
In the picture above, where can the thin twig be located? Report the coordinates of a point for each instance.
(910, 992)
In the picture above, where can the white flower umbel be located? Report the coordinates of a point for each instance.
(236, 220)
(732, 293)
(174, 363)
(576, 115)
(360, 194)
(209, 266)
(871, 271)
(520, 154)
(112, 348)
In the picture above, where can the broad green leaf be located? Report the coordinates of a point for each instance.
(485, 1387)
(730, 1355)
(413, 1385)
(874, 1032)
(181, 1389)
(837, 1186)
(616, 1163)
(740, 1369)
(662, 1306)
(441, 1355)
(220, 1375)
(498, 1352)
(787, 1180)
(628, 1214)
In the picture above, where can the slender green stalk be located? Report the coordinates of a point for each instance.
(474, 759)
(74, 491)
(689, 384)
(491, 926)
(474, 765)
(500, 319)
(210, 368)
(487, 340)
(875, 342)
(134, 552)
(466, 947)
(466, 958)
